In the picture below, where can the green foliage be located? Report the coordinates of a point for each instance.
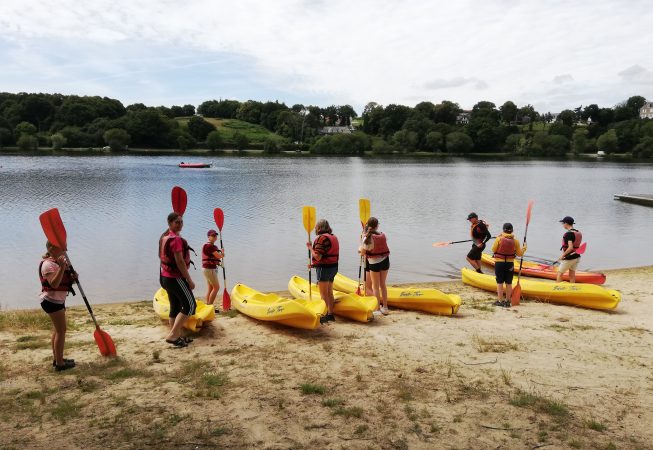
(25, 128)
(508, 112)
(607, 142)
(514, 143)
(58, 141)
(579, 141)
(240, 141)
(567, 117)
(434, 141)
(308, 389)
(27, 142)
(116, 138)
(214, 140)
(6, 137)
(644, 149)
(544, 144)
(406, 140)
(342, 144)
(270, 146)
(199, 128)
(459, 143)
(382, 147)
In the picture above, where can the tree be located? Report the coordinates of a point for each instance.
(214, 140)
(406, 139)
(188, 110)
(644, 149)
(434, 141)
(567, 117)
(117, 139)
(199, 128)
(240, 141)
(24, 128)
(27, 142)
(446, 112)
(6, 137)
(590, 112)
(342, 144)
(147, 127)
(58, 141)
(514, 143)
(607, 142)
(270, 146)
(557, 145)
(485, 110)
(628, 134)
(579, 141)
(184, 142)
(458, 142)
(508, 112)
(561, 129)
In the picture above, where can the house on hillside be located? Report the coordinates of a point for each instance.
(463, 117)
(646, 111)
(336, 130)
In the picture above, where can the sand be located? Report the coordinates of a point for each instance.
(535, 376)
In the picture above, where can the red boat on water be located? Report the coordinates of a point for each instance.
(184, 165)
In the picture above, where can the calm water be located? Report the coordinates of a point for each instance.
(115, 208)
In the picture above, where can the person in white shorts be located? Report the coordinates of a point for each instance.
(569, 259)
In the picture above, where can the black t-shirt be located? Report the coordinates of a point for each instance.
(480, 231)
(570, 236)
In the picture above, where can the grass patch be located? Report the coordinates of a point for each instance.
(220, 431)
(360, 429)
(492, 345)
(506, 376)
(206, 383)
(231, 313)
(482, 307)
(538, 403)
(24, 320)
(635, 330)
(31, 342)
(65, 409)
(596, 426)
(125, 372)
(354, 411)
(310, 389)
(332, 402)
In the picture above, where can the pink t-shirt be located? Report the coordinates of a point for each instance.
(48, 270)
(175, 246)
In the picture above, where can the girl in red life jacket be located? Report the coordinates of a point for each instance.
(505, 249)
(211, 257)
(174, 254)
(325, 252)
(375, 249)
(56, 282)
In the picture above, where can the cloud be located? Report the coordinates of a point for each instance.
(564, 78)
(637, 74)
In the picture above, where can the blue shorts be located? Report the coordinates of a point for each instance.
(504, 272)
(326, 273)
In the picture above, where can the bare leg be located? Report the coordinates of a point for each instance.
(383, 275)
(175, 331)
(500, 291)
(474, 263)
(508, 291)
(327, 296)
(376, 288)
(572, 276)
(213, 293)
(58, 335)
(369, 289)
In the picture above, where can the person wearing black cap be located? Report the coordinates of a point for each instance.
(505, 249)
(211, 258)
(480, 235)
(570, 242)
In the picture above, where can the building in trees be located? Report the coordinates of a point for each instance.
(646, 111)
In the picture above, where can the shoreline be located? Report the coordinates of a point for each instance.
(532, 376)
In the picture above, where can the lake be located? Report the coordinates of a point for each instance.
(115, 208)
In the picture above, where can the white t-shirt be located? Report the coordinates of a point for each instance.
(48, 270)
(369, 247)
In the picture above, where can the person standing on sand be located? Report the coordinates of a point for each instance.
(569, 259)
(505, 249)
(174, 254)
(211, 258)
(56, 282)
(377, 254)
(325, 252)
(480, 235)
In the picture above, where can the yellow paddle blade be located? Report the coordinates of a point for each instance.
(364, 210)
(308, 217)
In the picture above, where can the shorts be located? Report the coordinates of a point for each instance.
(504, 271)
(568, 264)
(51, 307)
(326, 273)
(180, 296)
(475, 253)
(380, 266)
(211, 276)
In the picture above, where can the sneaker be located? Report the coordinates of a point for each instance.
(498, 303)
(376, 313)
(66, 365)
(507, 304)
(65, 360)
(330, 318)
(385, 311)
(324, 319)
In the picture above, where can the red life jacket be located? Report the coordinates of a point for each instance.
(208, 260)
(578, 238)
(66, 284)
(506, 249)
(380, 246)
(331, 257)
(167, 257)
(479, 231)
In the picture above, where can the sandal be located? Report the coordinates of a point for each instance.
(65, 360)
(179, 342)
(66, 365)
(187, 339)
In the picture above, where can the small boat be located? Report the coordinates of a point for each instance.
(274, 308)
(533, 269)
(351, 306)
(417, 299)
(573, 294)
(203, 312)
(184, 165)
(638, 199)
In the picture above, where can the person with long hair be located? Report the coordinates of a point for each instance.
(325, 251)
(377, 254)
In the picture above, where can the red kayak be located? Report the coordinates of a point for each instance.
(532, 269)
(184, 165)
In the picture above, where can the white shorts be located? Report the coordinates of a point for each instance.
(568, 264)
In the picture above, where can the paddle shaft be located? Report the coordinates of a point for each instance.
(310, 277)
(81, 291)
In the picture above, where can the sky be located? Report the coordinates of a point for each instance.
(551, 54)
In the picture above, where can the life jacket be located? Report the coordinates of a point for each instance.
(331, 257)
(578, 238)
(66, 284)
(484, 231)
(380, 246)
(209, 261)
(167, 257)
(507, 248)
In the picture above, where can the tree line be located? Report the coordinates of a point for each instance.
(30, 121)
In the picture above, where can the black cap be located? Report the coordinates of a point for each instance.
(472, 215)
(568, 220)
(507, 227)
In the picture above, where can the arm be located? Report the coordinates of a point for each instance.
(181, 264)
(519, 251)
(54, 278)
(570, 249)
(495, 246)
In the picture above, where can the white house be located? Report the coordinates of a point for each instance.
(463, 117)
(646, 111)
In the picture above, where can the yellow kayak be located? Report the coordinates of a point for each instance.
(427, 300)
(203, 312)
(351, 306)
(573, 294)
(273, 308)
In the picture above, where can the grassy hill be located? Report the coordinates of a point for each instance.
(256, 134)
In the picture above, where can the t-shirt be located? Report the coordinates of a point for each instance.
(209, 249)
(480, 232)
(570, 236)
(175, 246)
(48, 271)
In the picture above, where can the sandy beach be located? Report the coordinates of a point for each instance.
(534, 376)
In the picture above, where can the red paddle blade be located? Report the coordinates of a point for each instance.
(218, 216)
(226, 300)
(104, 343)
(53, 228)
(179, 200)
(528, 211)
(441, 244)
(515, 298)
(358, 290)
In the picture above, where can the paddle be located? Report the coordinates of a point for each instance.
(179, 200)
(364, 214)
(55, 232)
(579, 251)
(515, 299)
(308, 217)
(218, 216)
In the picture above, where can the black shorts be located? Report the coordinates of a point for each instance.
(380, 266)
(51, 307)
(504, 271)
(326, 273)
(180, 296)
(475, 253)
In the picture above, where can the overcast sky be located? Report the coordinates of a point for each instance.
(552, 54)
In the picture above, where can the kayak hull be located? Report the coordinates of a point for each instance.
(351, 306)
(274, 308)
(203, 312)
(549, 272)
(572, 294)
(426, 300)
